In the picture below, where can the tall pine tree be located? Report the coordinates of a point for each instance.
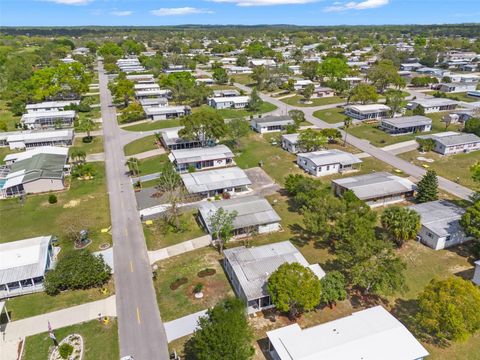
(427, 188)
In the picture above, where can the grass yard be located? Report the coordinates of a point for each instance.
(86, 202)
(25, 306)
(100, 341)
(232, 113)
(461, 96)
(297, 100)
(149, 183)
(141, 145)
(450, 167)
(93, 147)
(4, 151)
(244, 79)
(153, 125)
(152, 164)
(7, 116)
(180, 302)
(331, 116)
(157, 238)
(276, 162)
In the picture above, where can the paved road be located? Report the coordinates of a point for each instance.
(365, 146)
(141, 330)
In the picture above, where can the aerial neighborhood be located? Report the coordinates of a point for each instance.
(239, 192)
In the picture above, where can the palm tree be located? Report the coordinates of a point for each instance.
(87, 125)
(132, 164)
(346, 124)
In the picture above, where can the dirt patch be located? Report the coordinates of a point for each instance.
(71, 204)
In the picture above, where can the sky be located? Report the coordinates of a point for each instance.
(243, 12)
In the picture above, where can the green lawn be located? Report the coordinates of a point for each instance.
(85, 203)
(93, 147)
(244, 79)
(180, 302)
(450, 167)
(331, 116)
(141, 145)
(153, 125)
(461, 96)
(152, 164)
(4, 151)
(149, 183)
(100, 341)
(231, 113)
(7, 116)
(297, 100)
(25, 306)
(157, 238)
(276, 162)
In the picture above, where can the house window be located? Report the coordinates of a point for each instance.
(429, 234)
(448, 238)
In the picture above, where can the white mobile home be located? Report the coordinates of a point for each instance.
(451, 142)
(406, 125)
(271, 123)
(48, 119)
(33, 139)
(327, 162)
(440, 224)
(367, 334)
(433, 105)
(23, 265)
(229, 102)
(290, 143)
(166, 112)
(209, 183)
(249, 269)
(51, 105)
(376, 189)
(367, 112)
(201, 158)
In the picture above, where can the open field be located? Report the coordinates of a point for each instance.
(86, 202)
(244, 79)
(153, 125)
(157, 236)
(100, 341)
(331, 116)
(180, 302)
(276, 162)
(452, 167)
(138, 146)
(297, 100)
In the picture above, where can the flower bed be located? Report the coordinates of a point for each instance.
(70, 348)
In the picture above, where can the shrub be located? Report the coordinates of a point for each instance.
(206, 272)
(52, 199)
(198, 288)
(65, 350)
(77, 270)
(87, 139)
(177, 283)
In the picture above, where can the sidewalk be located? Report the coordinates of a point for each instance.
(15, 331)
(149, 153)
(178, 249)
(95, 157)
(183, 326)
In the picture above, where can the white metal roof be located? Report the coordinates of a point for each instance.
(23, 259)
(51, 104)
(160, 110)
(368, 108)
(253, 266)
(40, 135)
(433, 102)
(371, 334)
(440, 217)
(328, 157)
(33, 116)
(408, 121)
(375, 185)
(200, 154)
(216, 179)
(232, 99)
(55, 150)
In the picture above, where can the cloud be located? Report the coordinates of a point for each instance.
(122, 13)
(70, 2)
(179, 11)
(352, 5)
(265, 2)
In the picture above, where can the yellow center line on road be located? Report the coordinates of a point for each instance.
(138, 316)
(131, 266)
